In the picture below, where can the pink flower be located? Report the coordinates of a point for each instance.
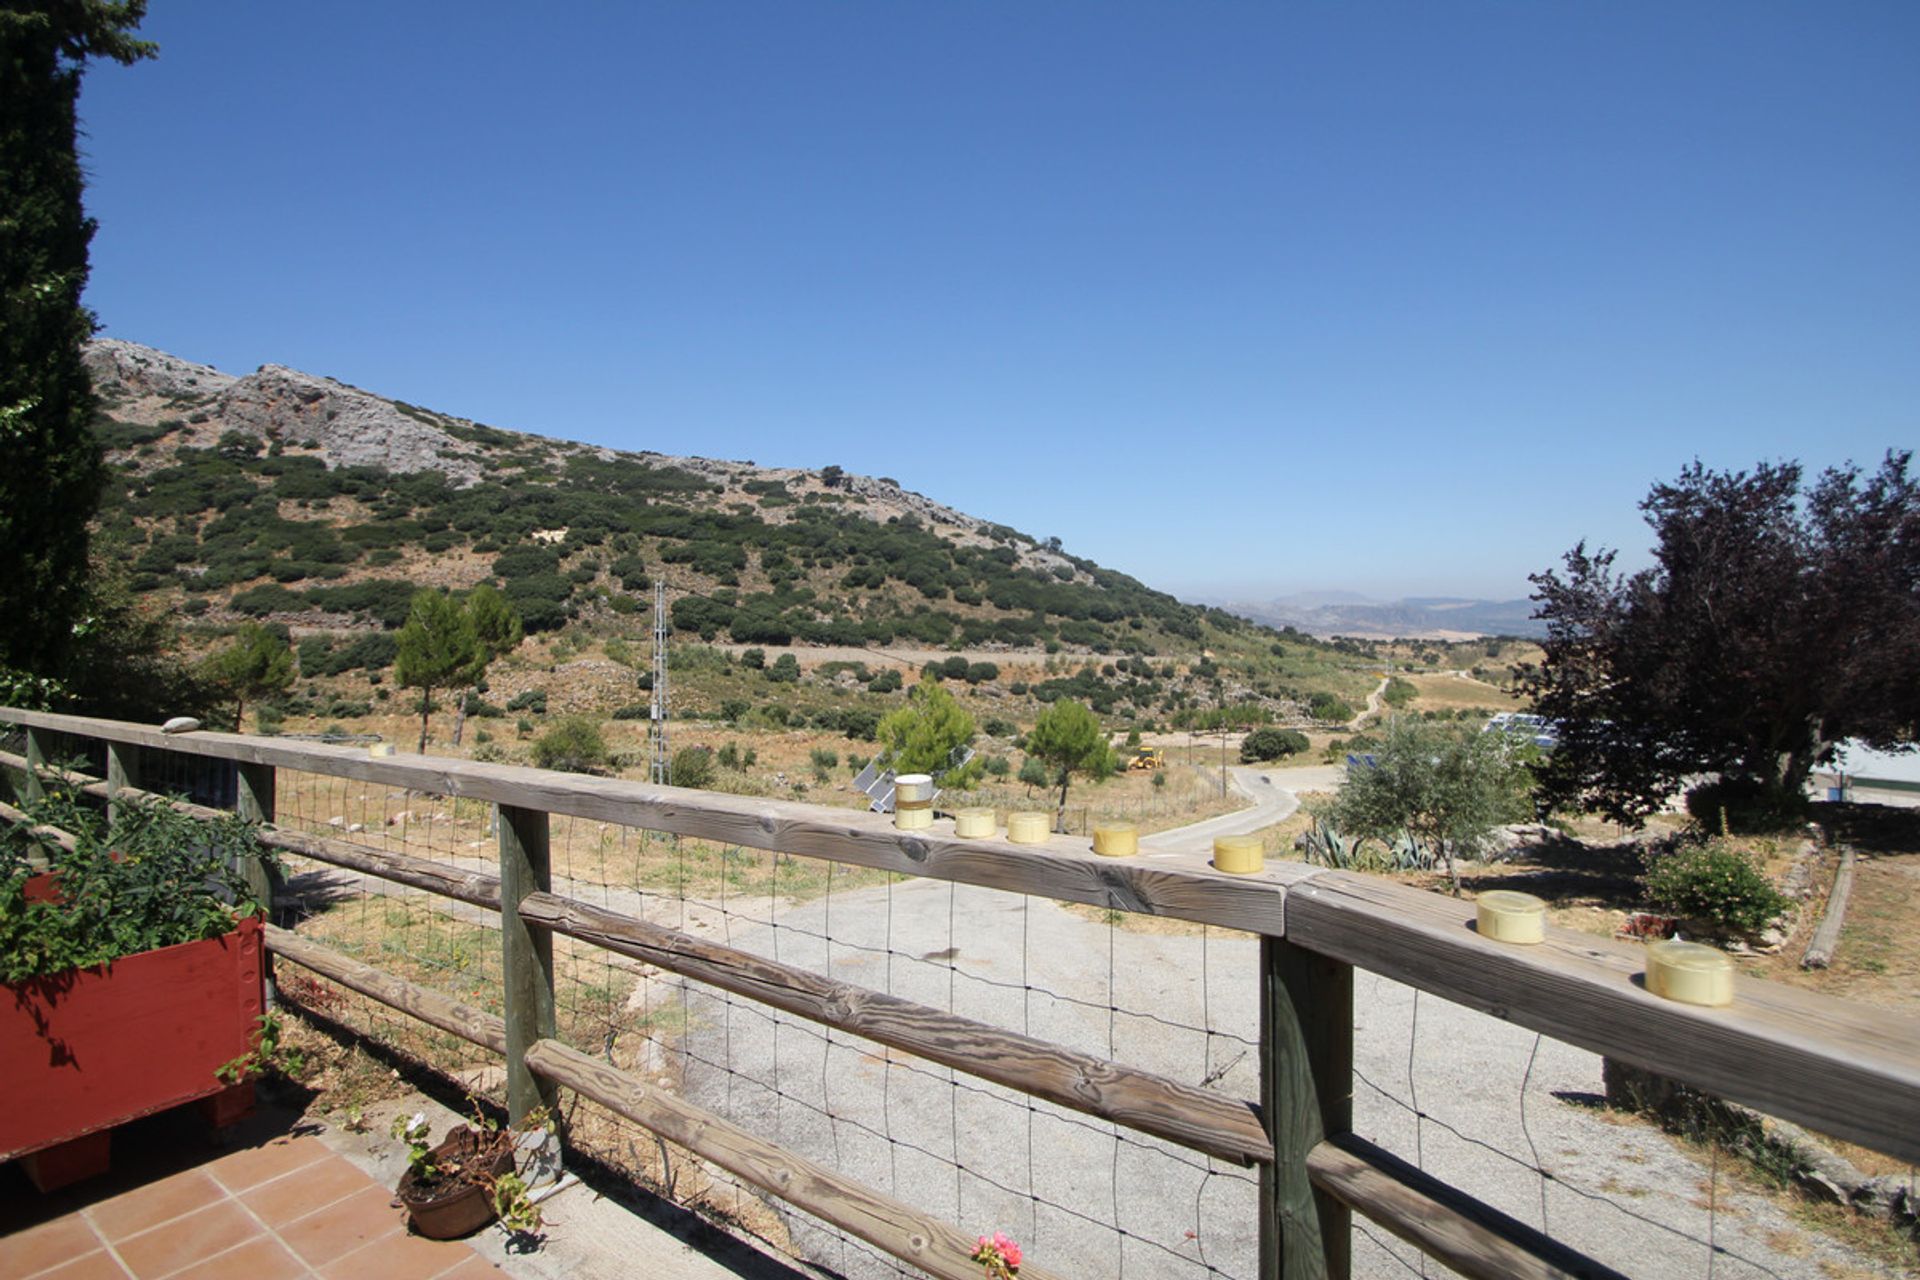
(999, 1256)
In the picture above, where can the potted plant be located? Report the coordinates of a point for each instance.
(468, 1180)
(130, 974)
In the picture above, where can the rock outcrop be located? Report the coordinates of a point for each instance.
(350, 427)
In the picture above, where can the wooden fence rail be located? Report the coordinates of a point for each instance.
(1838, 1068)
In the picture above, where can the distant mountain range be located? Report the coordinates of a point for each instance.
(1344, 613)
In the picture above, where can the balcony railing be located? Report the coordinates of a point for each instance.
(1835, 1067)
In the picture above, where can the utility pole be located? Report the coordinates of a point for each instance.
(657, 711)
(1220, 701)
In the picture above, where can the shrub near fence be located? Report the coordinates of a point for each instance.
(792, 994)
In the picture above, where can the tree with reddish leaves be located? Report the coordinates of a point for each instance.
(1776, 622)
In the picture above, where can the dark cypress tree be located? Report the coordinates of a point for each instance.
(50, 470)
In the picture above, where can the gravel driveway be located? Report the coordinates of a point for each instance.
(1618, 1190)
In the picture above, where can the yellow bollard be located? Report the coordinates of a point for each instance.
(1690, 972)
(1240, 855)
(975, 824)
(1116, 840)
(1507, 916)
(1028, 827)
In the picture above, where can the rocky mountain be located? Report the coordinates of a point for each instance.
(301, 499)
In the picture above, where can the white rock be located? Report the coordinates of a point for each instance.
(180, 724)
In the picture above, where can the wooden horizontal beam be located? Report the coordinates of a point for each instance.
(49, 835)
(1212, 1123)
(921, 1241)
(1445, 1224)
(476, 888)
(1064, 868)
(1203, 1121)
(927, 1243)
(1848, 1070)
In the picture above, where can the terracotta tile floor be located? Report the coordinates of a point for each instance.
(267, 1206)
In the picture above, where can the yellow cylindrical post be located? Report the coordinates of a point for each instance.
(913, 802)
(1028, 827)
(1690, 972)
(1507, 916)
(1116, 839)
(975, 824)
(1241, 855)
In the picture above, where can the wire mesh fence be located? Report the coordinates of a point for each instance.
(1505, 1115)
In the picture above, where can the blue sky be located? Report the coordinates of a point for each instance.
(1402, 298)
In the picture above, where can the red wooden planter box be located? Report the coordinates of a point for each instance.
(81, 1052)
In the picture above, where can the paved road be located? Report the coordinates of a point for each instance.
(1274, 795)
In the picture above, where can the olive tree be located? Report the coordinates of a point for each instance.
(1446, 786)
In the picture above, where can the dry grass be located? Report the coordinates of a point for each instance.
(1450, 692)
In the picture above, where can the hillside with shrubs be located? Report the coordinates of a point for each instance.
(300, 502)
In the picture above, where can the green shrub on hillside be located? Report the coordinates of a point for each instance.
(1329, 707)
(692, 767)
(1271, 744)
(573, 744)
(1714, 882)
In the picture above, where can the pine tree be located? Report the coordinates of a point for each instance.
(258, 664)
(436, 650)
(1067, 738)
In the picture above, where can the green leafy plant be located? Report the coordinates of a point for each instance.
(509, 1193)
(413, 1131)
(1271, 744)
(518, 1212)
(151, 878)
(268, 1053)
(574, 744)
(1717, 883)
(693, 767)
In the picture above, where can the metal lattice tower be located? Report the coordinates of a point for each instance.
(657, 722)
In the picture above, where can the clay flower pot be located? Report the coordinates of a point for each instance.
(459, 1201)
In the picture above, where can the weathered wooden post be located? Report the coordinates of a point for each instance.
(1306, 1094)
(526, 956)
(31, 790)
(123, 771)
(254, 801)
